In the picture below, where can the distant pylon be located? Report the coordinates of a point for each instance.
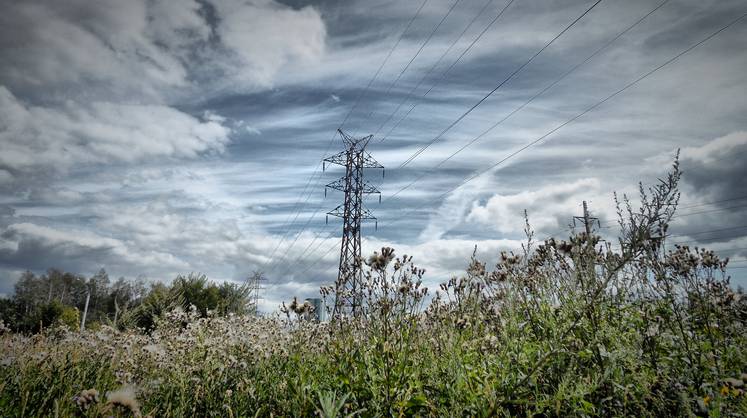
(255, 286)
(354, 158)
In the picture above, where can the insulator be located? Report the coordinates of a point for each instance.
(326, 221)
(325, 191)
(376, 225)
(323, 165)
(379, 198)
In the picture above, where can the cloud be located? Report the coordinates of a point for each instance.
(264, 36)
(188, 128)
(99, 133)
(550, 208)
(27, 245)
(717, 149)
(128, 46)
(715, 171)
(5, 176)
(144, 49)
(714, 193)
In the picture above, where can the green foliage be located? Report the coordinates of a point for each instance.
(69, 317)
(197, 291)
(39, 301)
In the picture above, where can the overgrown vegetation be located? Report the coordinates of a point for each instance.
(563, 328)
(59, 298)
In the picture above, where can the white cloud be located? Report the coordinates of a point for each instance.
(35, 136)
(265, 36)
(28, 244)
(54, 44)
(717, 149)
(548, 207)
(147, 49)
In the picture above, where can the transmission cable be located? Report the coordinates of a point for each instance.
(422, 46)
(453, 64)
(584, 112)
(516, 71)
(596, 105)
(531, 99)
(347, 116)
(433, 67)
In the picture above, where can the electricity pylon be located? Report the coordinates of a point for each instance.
(354, 158)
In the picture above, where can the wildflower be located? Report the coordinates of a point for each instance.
(463, 323)
(380, 261)
(492, 341)
(403, 288)
(735, 383)
(124, 397)
(85, 398)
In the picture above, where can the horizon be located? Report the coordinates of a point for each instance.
(153, 139)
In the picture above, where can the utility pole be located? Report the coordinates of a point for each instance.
(354, 158)
(587, 220)
(85, 311)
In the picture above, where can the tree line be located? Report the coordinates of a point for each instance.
(64, 298)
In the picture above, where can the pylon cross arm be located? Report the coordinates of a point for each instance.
(340, 213)
(340, 158)
(370, 162)
(340, 183)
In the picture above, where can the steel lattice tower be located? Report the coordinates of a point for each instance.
(354, 158)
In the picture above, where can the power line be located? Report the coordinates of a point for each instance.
(347, 116)
(541, 92)
(405, 69)
(320, 258)
(721, 238)
(711, 203)
(587, 110)
(516, 71)
(710, 211)
(596, 105)
(297, 207)
(386, 59)
(422, 46)
(609, 223)
(708, 232)
(433, 67)
(453, 64)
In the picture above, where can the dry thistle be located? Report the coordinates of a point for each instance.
(124, 397)
(86, 398)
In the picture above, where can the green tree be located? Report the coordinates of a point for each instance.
(197, 291)
(234, 298)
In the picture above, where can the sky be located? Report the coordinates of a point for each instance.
(154, 138)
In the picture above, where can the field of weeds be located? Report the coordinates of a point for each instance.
(564, 328)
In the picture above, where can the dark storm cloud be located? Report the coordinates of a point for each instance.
(161, 137)
(718, 172)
